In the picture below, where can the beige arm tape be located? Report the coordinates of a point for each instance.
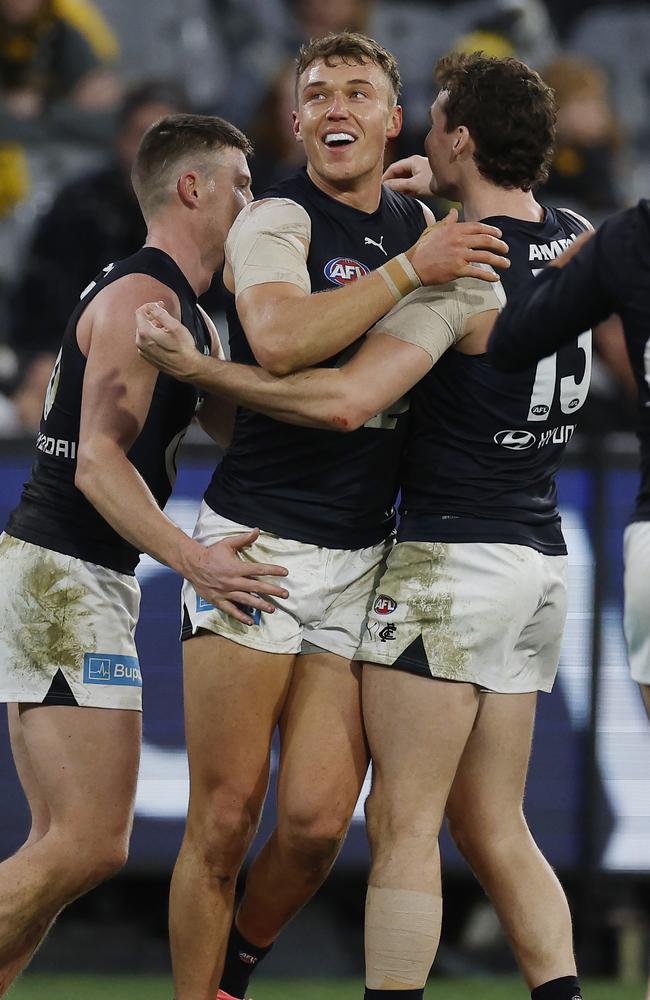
(402, 935)
(268, 242)
(400, 276)
(435, 317)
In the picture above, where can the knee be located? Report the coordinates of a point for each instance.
(88, 862)
(312, 837)
(221, 829)
(487, 834)
(385, 823)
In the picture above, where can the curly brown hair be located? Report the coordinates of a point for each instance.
(355, 49)
(509, 111)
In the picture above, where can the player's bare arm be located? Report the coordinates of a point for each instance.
(273, 310)
(393, 358)
(118, 386)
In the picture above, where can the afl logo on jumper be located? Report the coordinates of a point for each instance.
(343, 270)
(515, 440)
(384, 605)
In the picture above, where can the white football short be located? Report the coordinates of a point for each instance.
(487, 613)
(58, 613)
(636, 618)
(330, 592)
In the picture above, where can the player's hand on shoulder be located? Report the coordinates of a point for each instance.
(165, 342)
(452, 249)
(409, 176)
(221, 577)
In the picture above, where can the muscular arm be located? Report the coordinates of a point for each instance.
(395, 355)
(117, 391)
(287, 327)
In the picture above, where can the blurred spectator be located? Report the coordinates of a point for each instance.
(263, 35)
(314, 18)
(54, 80)
(277, 152)
(20, 410)
(520, 28)
(94, 220)
(589, 139)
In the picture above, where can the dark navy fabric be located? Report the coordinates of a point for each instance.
(484, 446)
(610, 274)
(317, 486)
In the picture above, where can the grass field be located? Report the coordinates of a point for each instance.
(41, 987)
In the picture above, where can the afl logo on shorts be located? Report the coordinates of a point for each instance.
(343, 270)
(384, 605)
(515, 440)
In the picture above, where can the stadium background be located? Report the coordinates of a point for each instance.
(588, 798)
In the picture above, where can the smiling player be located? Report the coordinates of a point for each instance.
(323, 501)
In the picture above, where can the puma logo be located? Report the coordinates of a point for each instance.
(370, 242)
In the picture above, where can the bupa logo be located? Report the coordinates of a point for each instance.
(515, 440)
(343, 270)
(384, 605)
(112, 668)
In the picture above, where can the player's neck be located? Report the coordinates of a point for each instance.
(184, 251)
(484, 200)
(363, 193)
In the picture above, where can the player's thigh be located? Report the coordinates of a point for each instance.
(233, 699)
(85, 761)
(488, 789)
(323, 754)
(637, 599)
(29, 782)
(417, 728)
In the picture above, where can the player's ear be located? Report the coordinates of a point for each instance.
(461, 142)
(395, 122)
(295, 120)
(187, 187)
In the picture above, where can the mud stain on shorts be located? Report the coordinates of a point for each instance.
(47, 626)
(432, 603)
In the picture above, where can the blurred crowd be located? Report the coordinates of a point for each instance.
(81, 80)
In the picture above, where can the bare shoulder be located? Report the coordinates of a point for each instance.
(112, 312)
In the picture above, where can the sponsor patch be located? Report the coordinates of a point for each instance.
(384, 605)
(254, 613)
(382, 633)
(343, 270)
(112, 668)
(515, 440)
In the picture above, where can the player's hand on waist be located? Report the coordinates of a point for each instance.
(165, 343)
(452, 249)
(410, 176)
(224, 579)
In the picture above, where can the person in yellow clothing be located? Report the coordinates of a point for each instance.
(55, 57)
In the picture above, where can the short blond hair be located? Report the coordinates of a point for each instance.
(353, 48)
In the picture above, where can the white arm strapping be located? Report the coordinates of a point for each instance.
(268, 242)
(434, 317)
